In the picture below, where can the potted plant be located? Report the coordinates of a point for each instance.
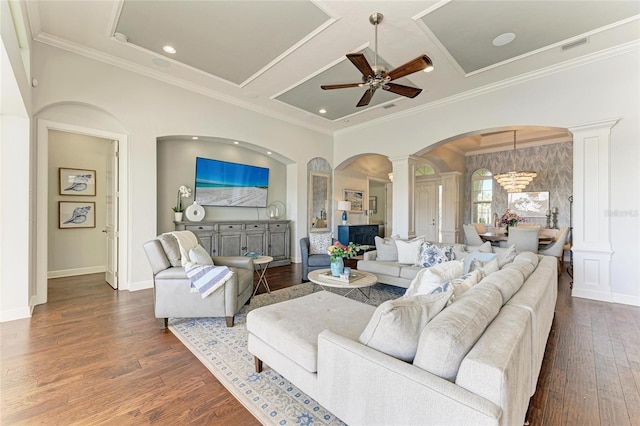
(338, 252)
(178, 209)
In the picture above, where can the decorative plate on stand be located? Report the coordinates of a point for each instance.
(276, 210)
(195, 212)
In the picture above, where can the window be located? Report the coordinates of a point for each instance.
(481, 196)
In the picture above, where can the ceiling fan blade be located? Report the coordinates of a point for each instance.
(366, 98)
(361, 63)
(409, 92)
(417, 64)
(339, 86)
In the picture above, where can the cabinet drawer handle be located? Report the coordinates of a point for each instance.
(255, 226)
(230, 226)
(200, 227)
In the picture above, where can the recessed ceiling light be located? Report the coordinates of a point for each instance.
(269, 152)
(503, 39)
(121, 37)
(169, 49)
(195, 138)
(322, 111)
(236, 143)
(429, 68)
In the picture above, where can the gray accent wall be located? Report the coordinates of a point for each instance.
(553, 163)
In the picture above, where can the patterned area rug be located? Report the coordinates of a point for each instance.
(271, 398)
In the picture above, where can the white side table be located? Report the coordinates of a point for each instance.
(261, 265)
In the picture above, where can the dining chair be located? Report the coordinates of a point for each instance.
(556, 249)
(471, 235)
(525, 239)
(481, 228)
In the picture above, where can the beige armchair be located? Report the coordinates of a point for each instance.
(172, 294)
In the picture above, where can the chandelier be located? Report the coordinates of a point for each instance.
(515, 181)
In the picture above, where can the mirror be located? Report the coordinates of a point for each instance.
(319, 201)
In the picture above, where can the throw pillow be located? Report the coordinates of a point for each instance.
(430, 254)
(199, 256)
(507, 256)
(462, 284)
(386, 249)
(476, 255)
(319, 242)
(429, 279)
(486, 268)
(485, 248)
(408, 250)
(396, 325)
(171, 249)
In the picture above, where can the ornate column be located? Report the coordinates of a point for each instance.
(591, 231)
(451, 211)
(404, 177)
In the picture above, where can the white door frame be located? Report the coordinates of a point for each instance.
(42, 196)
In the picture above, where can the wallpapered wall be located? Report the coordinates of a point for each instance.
(553, 163)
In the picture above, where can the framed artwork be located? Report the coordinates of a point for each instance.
(76, 214)
(355, 197)
(77, 181)
(529, 204)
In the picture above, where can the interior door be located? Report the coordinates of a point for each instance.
(111, 274)
(426, 209)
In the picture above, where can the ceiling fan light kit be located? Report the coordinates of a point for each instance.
(377, 77)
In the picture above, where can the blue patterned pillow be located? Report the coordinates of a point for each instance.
(431, 254)
(442, 288)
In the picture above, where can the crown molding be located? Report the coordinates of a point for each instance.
(513, 81)
(78, 49)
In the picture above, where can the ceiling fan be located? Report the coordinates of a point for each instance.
(377, 77)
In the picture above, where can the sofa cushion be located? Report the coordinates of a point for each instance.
(525, 268)
(486, 268)
(482, 256)
(199, 255)
(527, 256)
(391, 269)
(507, 281)
(410, 272)
(396, 325)
(319, 260)
(408, 250)
(386, 249)
(430, 254)
(448, 337)
(293, 326)
(319, 242)
(428, 279)
(171, 248)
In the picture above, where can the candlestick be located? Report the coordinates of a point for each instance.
(548, 219)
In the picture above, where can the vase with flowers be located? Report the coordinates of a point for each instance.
(338, 252)
(510, 218)
(178, 209)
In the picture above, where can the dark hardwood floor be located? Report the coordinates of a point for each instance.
(93, 355)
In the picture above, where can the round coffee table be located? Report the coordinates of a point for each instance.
(358, 281)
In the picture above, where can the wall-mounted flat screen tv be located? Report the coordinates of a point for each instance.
(224, 184)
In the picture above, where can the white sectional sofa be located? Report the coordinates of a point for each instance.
(477, 361)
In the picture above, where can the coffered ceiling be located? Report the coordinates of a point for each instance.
(272, 56)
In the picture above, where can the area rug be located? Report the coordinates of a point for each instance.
(271, 398)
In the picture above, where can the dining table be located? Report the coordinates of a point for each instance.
(495, 237)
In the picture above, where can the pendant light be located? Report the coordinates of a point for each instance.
(515, 181)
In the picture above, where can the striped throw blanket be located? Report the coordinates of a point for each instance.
(206, 279)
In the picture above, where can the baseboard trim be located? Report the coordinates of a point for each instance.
(626, 299)
(15, 314)
(78, 271)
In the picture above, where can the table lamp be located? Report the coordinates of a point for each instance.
(344, 206)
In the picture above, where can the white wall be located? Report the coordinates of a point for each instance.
(83, 250)
(149, 109)
(597, 91)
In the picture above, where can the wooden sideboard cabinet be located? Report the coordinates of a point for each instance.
(359, 234)
(235, 238)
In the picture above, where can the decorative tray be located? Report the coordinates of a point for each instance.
(347, 279)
